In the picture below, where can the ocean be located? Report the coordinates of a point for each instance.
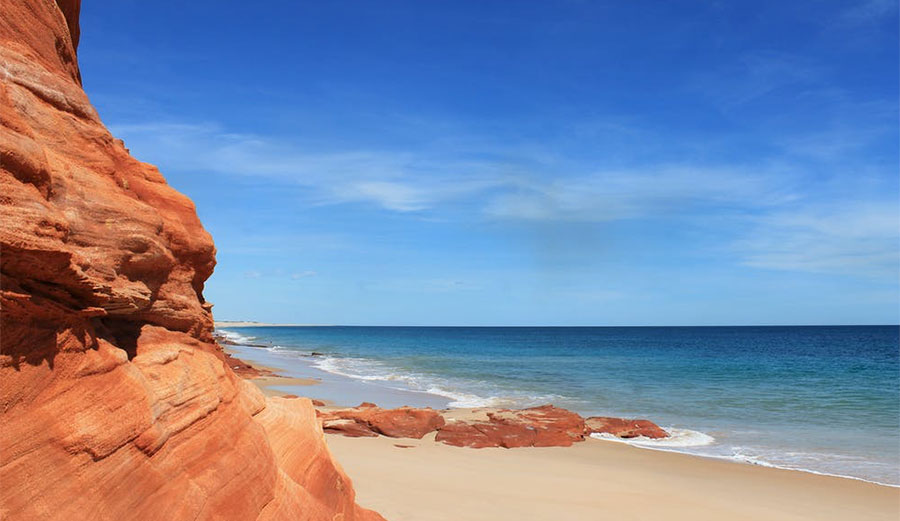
(823, 399)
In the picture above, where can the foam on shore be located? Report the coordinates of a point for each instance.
(356, 379)
(681, 441)
(677, 438)
(375, 371)
(235, 337)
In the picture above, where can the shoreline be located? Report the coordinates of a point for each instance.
(347, 389)
(408, 479)
(265, 377)
(269, 385)
(237, 323)
(331, 387)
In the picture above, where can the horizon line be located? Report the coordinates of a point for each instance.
(252, 323)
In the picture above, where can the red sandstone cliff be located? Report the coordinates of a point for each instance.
(115, 402)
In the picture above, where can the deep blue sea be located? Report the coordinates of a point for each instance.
(821, 399)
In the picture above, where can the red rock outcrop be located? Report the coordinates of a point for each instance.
(348, 427)
(114, 401)
(623, 428)
(317, 487)
(370, 420)
(545, 426)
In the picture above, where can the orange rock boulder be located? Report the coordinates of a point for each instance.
(545, 426)
(369, 420)
(623, 428)
(347, 427)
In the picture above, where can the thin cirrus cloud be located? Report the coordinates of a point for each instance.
(755, 75)
(869, 11)
(382, 178)
(780, 220)
(846, 238)
(407, 182)
(617, 195)
(781, 228)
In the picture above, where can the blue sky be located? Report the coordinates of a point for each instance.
(518, 163)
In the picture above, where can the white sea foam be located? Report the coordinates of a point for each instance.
(466, 400)
(358, 368)
(374, 371)
(684, 440)
(235, 337)
(677, 438)
(740, 456)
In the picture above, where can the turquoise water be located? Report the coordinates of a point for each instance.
(822, 399)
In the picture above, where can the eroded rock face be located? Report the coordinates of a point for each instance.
(545, 426)
(318, 487)
(370, 420)
(623, 428)
(115, 402)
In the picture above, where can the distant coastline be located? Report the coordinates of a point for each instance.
(250, 323)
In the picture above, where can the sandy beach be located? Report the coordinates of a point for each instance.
(266, 383)
(267, 378)
(410, 479)
(591, 480)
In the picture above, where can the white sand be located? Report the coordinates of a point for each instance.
(592, 480)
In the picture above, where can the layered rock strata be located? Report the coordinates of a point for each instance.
(115, 403)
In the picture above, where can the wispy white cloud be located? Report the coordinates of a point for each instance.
(390, 194)
(869, 11)
(413, 182)
(861, 238)
(755, 75)
(616, 195)
(787, 225)
(777, 225)
(398, 181)
(846, 128)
